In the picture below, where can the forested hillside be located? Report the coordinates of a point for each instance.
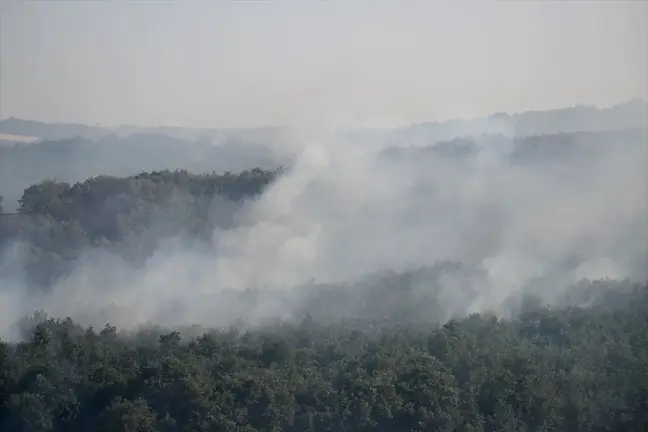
(392, 350)
(130, 215)
(126, 215)
(74, 159)
(548, 370)
(323, 216)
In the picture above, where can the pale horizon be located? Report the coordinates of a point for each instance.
(256, 64)
(262, 126)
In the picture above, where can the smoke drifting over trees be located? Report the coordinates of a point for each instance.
(350, 231)
(518, 216)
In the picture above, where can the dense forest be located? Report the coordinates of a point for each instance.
(380, 353)
(130, 215)
(572, 369)
(126, 215)
(386, 363)
(73, 152)
(74, 159)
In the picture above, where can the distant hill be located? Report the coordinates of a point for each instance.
(579, 118)
(537, 149)
(75, 159)
(629, 115)
(14, 129)
(50, 131)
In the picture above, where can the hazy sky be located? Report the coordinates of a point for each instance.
(242, 63)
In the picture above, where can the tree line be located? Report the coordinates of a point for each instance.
(576, 369)
(127, 215)
(376, 355)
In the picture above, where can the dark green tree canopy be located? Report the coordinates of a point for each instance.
(362, 356)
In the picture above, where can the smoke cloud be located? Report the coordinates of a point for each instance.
(343, 212)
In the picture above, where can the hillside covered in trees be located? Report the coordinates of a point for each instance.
(74, 152)
(571, 369)
(74, 159)
(60, 221)
(127, 215)
(416, 347)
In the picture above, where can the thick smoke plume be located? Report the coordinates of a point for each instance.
(343, 212)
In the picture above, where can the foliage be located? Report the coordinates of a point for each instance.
(367, 357)
(128, 215)
(573, 369)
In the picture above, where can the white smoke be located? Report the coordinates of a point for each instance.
(344, 211)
